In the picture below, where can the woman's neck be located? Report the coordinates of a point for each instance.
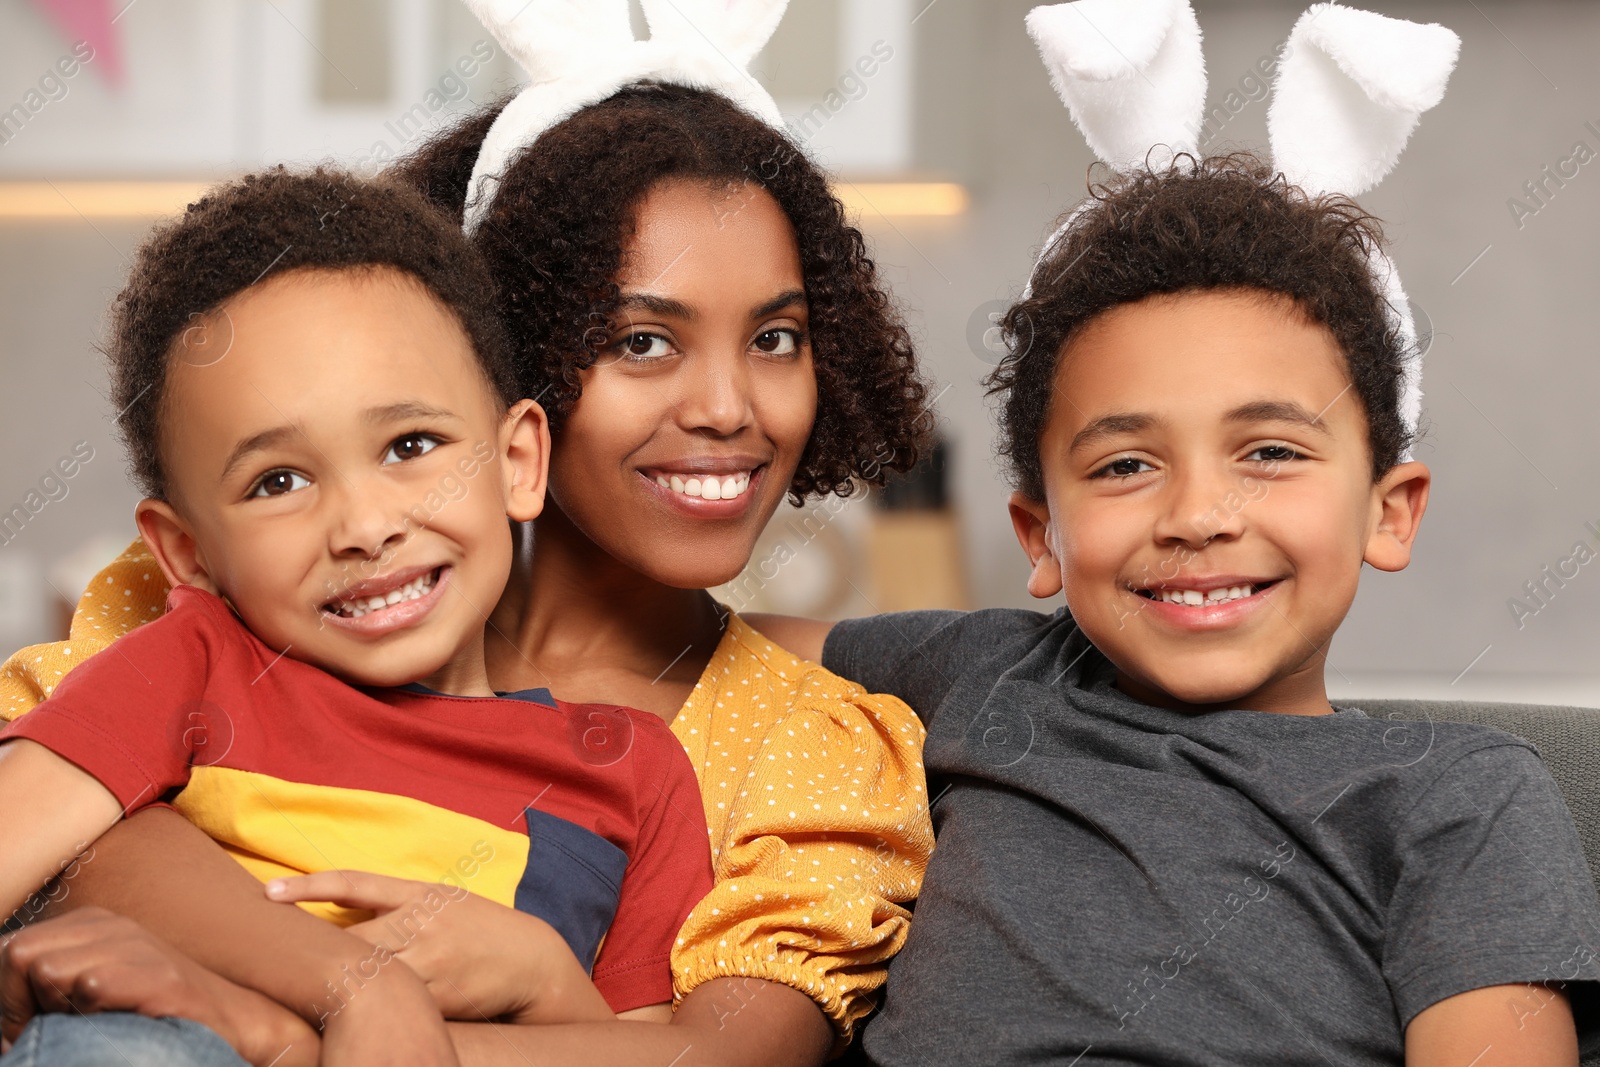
(579, 622)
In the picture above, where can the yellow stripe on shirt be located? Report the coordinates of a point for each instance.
(277, 828)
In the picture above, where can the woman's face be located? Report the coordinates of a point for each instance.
(691, 425)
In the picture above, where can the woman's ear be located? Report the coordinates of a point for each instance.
(166, 534)
(1398, 500)
(1031, 520)
(525, 444)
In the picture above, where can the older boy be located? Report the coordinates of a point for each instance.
(1157, 840)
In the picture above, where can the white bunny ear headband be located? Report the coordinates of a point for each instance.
(1350, 88)
(578, 52)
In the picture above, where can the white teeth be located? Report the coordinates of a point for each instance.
(415, 589)
(1194, 598)
(710, 487)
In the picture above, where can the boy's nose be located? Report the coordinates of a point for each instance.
(365, 529)
(1201, 506)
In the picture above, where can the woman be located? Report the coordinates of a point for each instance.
(707, 336)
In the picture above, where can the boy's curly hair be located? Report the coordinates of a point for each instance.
(264, 226)
(563, 211)
(1225, 222)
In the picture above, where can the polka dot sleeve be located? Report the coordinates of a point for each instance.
(130, 591)
(817, 808)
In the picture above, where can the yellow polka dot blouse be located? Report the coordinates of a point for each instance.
(813, 789)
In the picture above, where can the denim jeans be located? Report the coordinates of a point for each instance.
(118, 1039)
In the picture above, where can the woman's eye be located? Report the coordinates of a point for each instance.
(777, 342)
(410, 446)
(1275, 454)
(277, 483)
(1126, 467)
(643, 346)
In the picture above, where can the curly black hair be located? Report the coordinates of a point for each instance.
(565, 207)
(1224, 222)
(263, 226)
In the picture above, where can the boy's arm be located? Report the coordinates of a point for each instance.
(1498, 1026)
(160, 871)
(40, 838)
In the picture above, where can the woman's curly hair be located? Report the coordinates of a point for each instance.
(260, 228)
(1225, 222)
(565, 208)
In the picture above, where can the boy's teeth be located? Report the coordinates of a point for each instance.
(1194, 598)
(709, 487)
(415, 589)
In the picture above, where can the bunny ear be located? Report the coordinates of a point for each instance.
(580, 52)
(555, 38)
(1131, 72)
(738, 29)
(1387, 278)
(1349, 91)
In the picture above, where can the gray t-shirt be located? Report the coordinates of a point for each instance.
(1115, 883)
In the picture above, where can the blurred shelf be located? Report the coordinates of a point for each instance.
(96, 199)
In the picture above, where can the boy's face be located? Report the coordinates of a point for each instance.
(345, 447)
(1209, 499)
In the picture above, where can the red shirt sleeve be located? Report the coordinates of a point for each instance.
(134, 716)
(666, 877)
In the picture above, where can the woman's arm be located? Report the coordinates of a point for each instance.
(736, 1022)
(158, 870)
(722, 1021)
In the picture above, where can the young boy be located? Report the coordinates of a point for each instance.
(317, 408)
(1157, 840)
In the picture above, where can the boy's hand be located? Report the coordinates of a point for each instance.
(93, 961)
(481, 960)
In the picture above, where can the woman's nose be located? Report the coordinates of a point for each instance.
(716, 393)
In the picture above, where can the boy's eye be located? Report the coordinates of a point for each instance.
(410, 446)
(277, 483)
(1124, 467)
(642, 346)
(781, 342)
(1275, 454)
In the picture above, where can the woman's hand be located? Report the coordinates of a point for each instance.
(481, 961)
(93, 961)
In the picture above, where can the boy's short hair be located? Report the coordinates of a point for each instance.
(263, 226)
(1226, 222)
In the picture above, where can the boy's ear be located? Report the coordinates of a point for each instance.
(166, 534)
(1398, 500)
(1031, 520)
(525, 444)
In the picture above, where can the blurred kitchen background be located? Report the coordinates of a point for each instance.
(941, 124)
